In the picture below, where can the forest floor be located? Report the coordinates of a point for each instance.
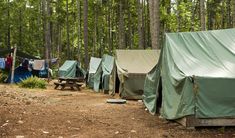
(85, 114)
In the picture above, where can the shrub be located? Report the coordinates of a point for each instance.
(3, 76)
(33, 82)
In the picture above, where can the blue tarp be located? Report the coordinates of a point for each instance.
(21, 73)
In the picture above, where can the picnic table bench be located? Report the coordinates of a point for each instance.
(69, 82)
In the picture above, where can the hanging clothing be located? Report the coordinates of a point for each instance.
(2, 63)
(54, 60)
(39, 65)
(8, 62)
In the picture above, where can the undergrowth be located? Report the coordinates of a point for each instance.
(33, 82)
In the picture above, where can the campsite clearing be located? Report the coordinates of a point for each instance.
(54, 113)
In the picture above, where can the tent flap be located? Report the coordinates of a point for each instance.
(93, 67)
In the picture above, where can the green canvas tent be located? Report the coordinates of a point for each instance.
(196, 73)
(71, 69)
(102, 75)
(107, 68)
(93, 67)
(131, 68)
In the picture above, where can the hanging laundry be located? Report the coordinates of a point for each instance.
(2, 63)
(54, 60)
(8, 62)
(39, 65)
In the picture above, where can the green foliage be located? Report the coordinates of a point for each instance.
(33, 82)
(3, 76)
(180, 15)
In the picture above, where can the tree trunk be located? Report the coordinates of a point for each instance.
(109, 27)
(154, 22)
(202, 15)
(228, 7)
(233, 13)
(44, 27)
(140, 24)
(129, 27)
(178, 16)
(20, 29)
(194, 7)
(121, 33)
(149, 44)
(67, 27)
(8, 26)
(95, 30)
(86, 32)
(47, 34)
(79, 29)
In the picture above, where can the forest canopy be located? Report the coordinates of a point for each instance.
(78, 29)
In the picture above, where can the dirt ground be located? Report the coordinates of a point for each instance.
(84, 114)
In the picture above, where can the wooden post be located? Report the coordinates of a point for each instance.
(48, 68)
(13, 65)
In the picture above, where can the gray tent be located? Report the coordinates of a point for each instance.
(131, 69)
(93, 67)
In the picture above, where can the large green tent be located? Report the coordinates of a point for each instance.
(93, 67)
(131, 68)
(197, 75)
(102, 75)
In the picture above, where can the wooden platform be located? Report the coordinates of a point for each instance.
(192, 121)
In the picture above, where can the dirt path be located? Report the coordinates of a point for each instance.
(55, 113)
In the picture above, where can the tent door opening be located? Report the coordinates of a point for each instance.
(159, 98)
(117, 84)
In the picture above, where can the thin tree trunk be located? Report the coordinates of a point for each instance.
(223, 17)
(140, 24)
(233, 13)
(168, 12)
(47, 35)
(8, 26)
(51, 33)
(149, 44)
(129, 27)
(202, 15)
(228, 7)
(73, 28)
(95, 30)
(194, 7)
(144, 23)
(67, 27)
(44, 27)
(178, 15)
(86, 32)
(109, 26)
(20, 29)
(79, 29)
(121, 26)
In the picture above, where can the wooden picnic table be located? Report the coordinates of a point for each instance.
(69, 82)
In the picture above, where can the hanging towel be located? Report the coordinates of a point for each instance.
(2, 63)
(39, 65)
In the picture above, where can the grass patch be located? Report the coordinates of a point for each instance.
(33, 82)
